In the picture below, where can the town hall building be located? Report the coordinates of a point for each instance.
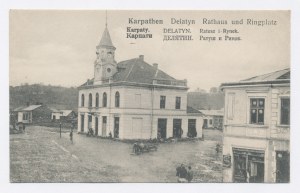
(134, 100)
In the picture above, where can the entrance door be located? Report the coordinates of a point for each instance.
(205, 124)
(240, 162)
(104, 121)
(116, 127)
(90, 121)
(82, 123)
(282, 167)
(192, 128)
(177, 131)
(162, 129)
(96, 126)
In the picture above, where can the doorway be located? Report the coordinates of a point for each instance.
(116, 127)
(205, 124)
(89, 121)
(96, 126)
(82, 123)
(162, 129)
(104, 122)
(282, 167)
(177, 130)
(192, 128)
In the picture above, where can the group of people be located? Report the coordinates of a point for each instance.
(138, 147)
(183, 174)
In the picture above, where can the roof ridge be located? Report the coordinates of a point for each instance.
(266, 74)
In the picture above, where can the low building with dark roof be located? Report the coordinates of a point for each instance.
(66, 115)
(134, 100)
(256, 132)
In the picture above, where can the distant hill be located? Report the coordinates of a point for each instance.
(53, 96)
(199, 100)
(67, 98)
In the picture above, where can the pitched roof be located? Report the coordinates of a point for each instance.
(137, 71)
(277, 77)
(106, 40)
(30, 108)
(192, 110)
(281, 74)
(213, 112)
(19, 108)
(66, 112)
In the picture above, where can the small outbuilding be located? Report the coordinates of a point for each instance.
(213, 118)
(63, 114)
(33, 114)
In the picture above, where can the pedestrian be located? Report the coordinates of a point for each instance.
(73, 126)
(181, 172)
(71, 136)
(136, 148)
(190, 174)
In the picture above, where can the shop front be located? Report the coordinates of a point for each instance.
(249, 165)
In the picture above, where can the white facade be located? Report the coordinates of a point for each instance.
(257, 131)
(138, 112)
(141, 101)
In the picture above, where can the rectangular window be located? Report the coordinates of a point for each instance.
(25, 116)
(257, 111)
(162, 102)
(178, 101)
(285, 111)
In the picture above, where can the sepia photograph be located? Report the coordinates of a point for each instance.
(149, 96)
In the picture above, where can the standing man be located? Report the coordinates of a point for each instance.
(71, 136)
(190, 174)
(73, 126)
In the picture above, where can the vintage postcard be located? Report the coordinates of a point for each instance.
(151, 96)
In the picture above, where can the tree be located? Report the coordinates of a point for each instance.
(213, 90)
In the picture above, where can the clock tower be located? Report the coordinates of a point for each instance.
(105, 65)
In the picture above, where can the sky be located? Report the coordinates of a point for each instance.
(58, 47)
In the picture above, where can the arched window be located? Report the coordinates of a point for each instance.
(97, 100)
(90, 100)
(117, 99)
(104, 100)
(82, 100)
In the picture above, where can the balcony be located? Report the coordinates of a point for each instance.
(170, 82)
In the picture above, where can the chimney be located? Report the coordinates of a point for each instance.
(28, 104)
(141, 57)
(155, 65)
